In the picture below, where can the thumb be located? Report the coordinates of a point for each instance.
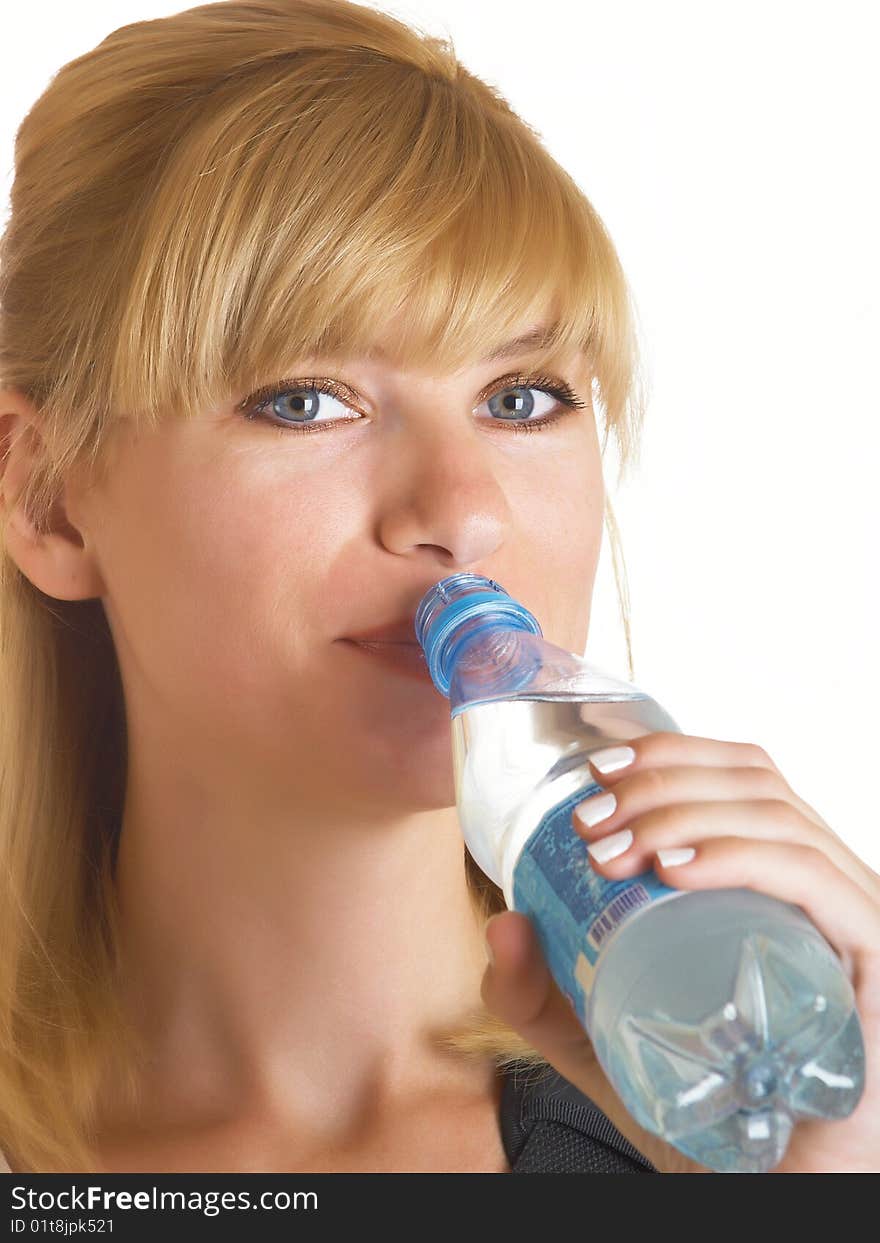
(519, 987)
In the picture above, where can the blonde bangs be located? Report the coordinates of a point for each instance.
(286, 228)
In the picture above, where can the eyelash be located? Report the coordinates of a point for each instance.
(253, 407)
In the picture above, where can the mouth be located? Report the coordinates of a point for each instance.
(407, 659)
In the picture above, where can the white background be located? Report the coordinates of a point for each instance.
(731, 150)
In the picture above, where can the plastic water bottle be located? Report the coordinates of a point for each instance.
(720, 1017)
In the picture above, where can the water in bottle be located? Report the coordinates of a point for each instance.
(720, 1017)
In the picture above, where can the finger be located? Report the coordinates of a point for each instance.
(664, 747)
(673, 824)
(847, 917)
(646, 788)
(667, 748)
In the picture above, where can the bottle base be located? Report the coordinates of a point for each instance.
(782, 1039)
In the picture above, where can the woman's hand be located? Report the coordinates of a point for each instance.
(730, 803)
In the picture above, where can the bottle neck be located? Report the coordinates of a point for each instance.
(490, 656)
(446, 633)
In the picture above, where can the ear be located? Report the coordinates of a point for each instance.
(60, 562)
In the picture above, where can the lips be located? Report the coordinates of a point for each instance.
(382, 644)
(402, 632)
(407, 659)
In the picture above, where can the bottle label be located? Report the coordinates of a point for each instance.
(573, 908)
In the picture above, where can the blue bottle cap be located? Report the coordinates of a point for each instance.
(447, 605)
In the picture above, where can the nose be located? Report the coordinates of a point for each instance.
(443, 492)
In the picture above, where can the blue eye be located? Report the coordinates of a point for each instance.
(302, 403)
(504, 403)
(514, 404)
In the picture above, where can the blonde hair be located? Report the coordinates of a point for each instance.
(197, 200)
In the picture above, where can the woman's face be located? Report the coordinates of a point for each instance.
(237, 554)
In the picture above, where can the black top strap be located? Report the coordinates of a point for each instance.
(549, 1127)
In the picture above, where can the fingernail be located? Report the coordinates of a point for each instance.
(673, 857)
(611, 758)
(610, 847)
(596, 808)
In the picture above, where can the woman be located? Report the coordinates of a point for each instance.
(240, 930)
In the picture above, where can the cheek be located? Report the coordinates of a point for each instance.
(562, 510)
(219, 592)
(564, 531)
